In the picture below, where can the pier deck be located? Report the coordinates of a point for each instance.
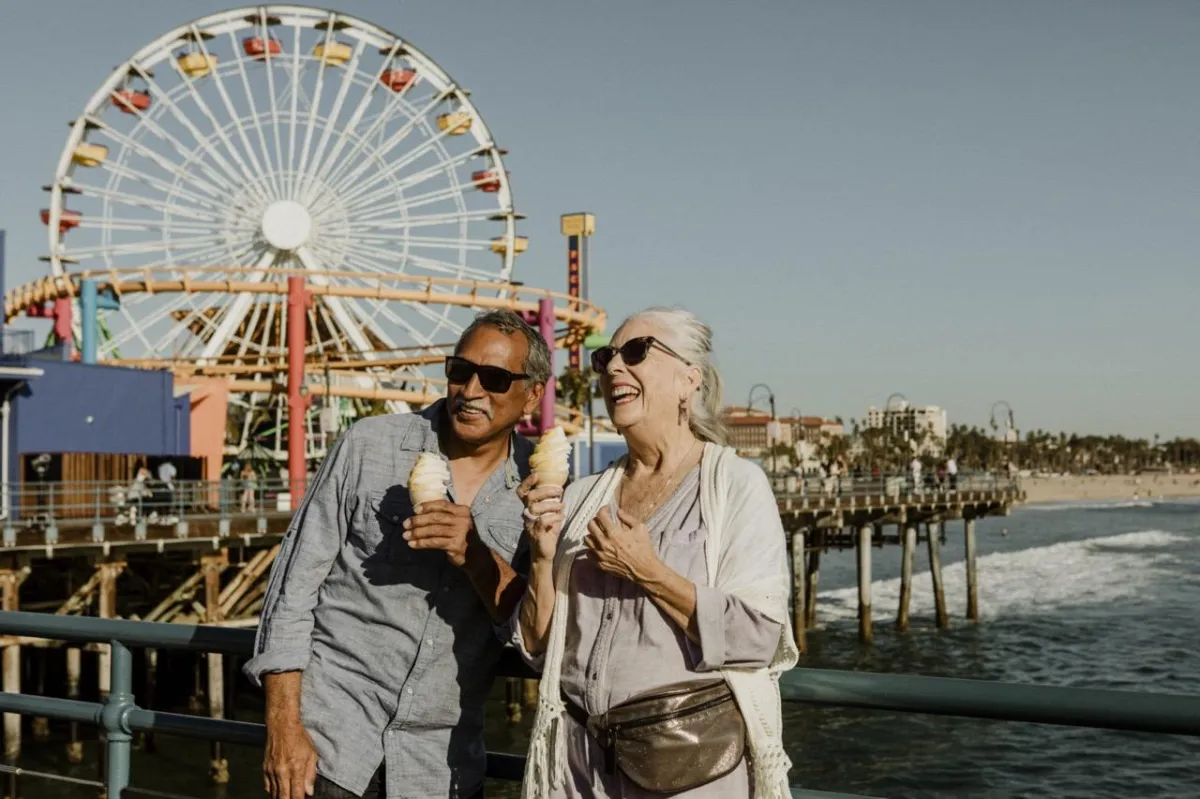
(202, 554)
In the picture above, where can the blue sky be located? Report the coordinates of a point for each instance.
(960, 201)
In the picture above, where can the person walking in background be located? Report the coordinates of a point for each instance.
(166, 476)
(952, 472)
(139, 492)
(249, 482)
(915, 468)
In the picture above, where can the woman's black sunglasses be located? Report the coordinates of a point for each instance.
(632, 352)
(494, 379)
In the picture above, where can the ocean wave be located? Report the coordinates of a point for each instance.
(1032, 581)
(1085, 505)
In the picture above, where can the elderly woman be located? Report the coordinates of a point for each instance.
(657, 598)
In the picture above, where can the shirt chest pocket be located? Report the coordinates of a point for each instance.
(380, 527)
(502, 536)
(684, 550)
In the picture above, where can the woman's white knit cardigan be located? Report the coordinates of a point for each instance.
(745, 553)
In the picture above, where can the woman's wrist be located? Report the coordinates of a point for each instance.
(650, 571)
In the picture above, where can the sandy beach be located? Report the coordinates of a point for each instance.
(1068, 488)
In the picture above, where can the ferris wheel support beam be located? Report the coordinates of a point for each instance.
(235, 313)
(350, 326)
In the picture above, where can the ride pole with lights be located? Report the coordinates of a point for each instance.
(578, 228)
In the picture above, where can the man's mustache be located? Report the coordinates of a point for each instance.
(461, 404)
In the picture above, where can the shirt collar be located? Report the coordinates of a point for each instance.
(426, 437)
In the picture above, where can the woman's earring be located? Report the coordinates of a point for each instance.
(682, 410)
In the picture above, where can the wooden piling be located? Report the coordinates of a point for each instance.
(74, 662)
(109, 571)
(512, 699)
(212, 566)
(810, 588)
(932, 531)
(529, 689)
(864, 583)
(10, 584)
(799, 612)
(40, 726)
(906, 572)
(972, 574)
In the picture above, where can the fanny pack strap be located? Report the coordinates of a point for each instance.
(597, 730)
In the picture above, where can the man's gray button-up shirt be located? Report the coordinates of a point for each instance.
(396, 647)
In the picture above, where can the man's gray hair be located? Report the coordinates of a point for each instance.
(537, 360)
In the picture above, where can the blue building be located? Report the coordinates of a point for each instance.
(62, 420)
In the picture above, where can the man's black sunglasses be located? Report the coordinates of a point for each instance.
(494, 379)
(632, 352)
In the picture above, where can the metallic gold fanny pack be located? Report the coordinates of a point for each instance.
(671, 739)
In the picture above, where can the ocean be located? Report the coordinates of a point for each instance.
(1095, 595)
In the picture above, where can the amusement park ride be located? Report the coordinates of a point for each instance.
(284, 151)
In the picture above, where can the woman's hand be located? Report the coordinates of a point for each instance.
(543, 516)
(621, 546)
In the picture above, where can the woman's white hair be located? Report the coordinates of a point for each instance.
(684, 332)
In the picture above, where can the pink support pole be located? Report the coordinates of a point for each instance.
(546, 326)
(297, 308)
(62, 324)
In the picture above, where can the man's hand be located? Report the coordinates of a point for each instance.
(289, 761)
(445, 526)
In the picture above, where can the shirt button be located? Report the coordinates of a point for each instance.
(391, 733)
(409, 691)
(428, 642)
(445, 588)
(395, 518)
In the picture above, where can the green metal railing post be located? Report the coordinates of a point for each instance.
(115, 718)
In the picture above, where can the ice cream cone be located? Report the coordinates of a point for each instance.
(550, 458)
(428, 480)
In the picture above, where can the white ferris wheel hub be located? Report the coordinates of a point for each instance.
(286, 225)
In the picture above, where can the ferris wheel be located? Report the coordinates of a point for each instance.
(273, 140)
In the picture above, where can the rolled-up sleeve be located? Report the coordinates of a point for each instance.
(515, 639)
(732, 633)
(307, 553)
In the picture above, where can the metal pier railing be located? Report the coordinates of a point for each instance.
(120, 716)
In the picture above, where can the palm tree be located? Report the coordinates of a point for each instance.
(575, 387)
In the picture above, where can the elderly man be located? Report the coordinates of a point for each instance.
(377, 641)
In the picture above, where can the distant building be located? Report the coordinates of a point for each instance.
(750, 431)
(912, 421)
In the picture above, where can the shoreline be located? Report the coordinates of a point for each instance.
(1072, 488)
